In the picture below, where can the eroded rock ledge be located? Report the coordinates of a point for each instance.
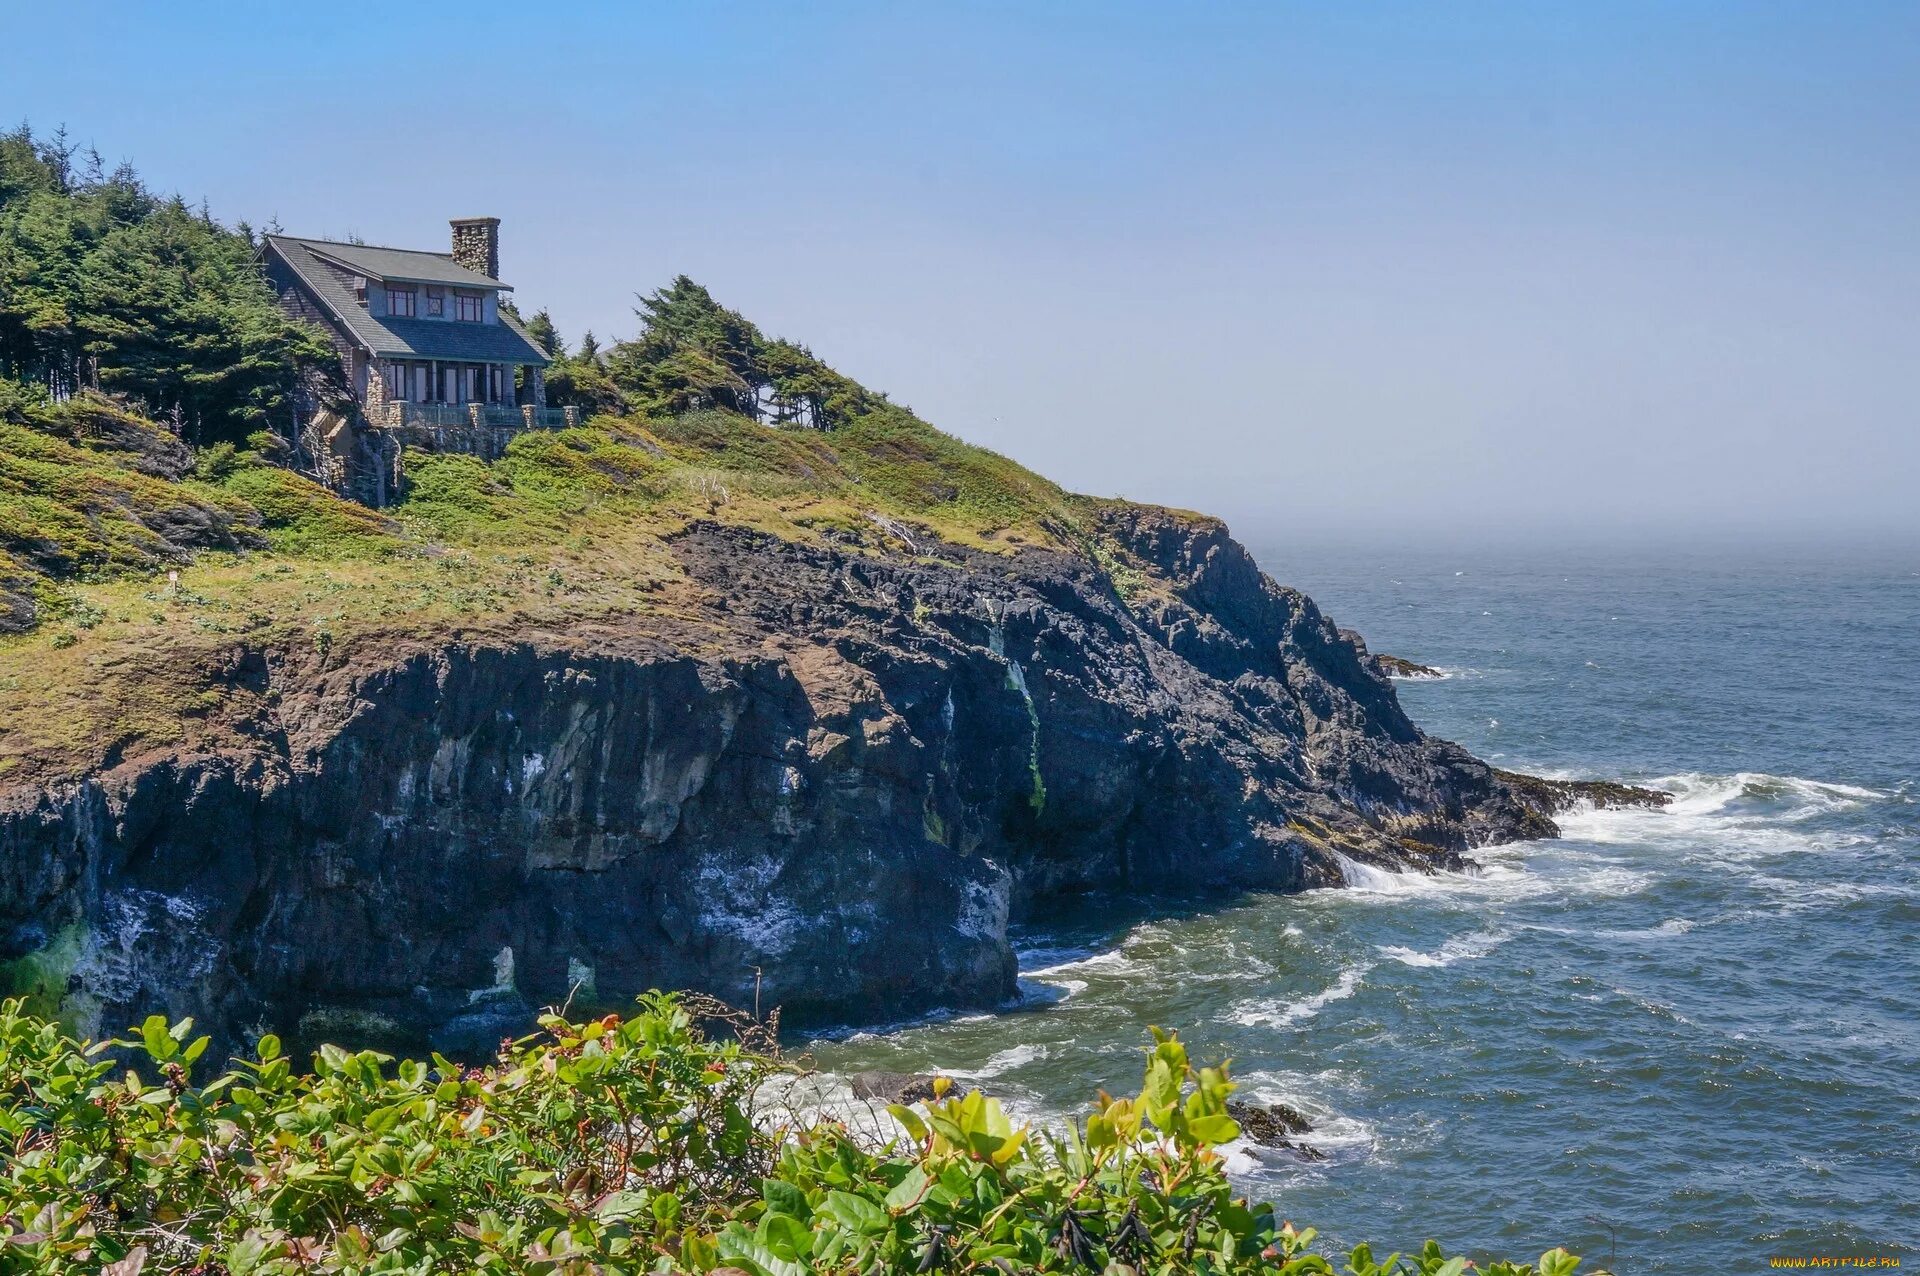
(1556, 797)
(830, 786)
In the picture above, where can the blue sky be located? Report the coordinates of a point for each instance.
(1426, 269)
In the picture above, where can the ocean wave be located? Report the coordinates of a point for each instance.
(1003, 1061)
(1360, 876)
(1460, 948)
(1112, 961)
(1047, 992)
(1256, 1015)
(1729, 821)
(1672, 926)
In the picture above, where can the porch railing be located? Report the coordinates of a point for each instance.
(402, 413)
(441, 414)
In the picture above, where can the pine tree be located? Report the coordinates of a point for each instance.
(104, 286)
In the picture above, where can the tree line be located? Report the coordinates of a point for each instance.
(106, 286)
(693, 353)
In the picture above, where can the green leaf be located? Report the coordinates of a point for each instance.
(158, 1040)
(784, 1198)
(907, 1117)
(908, 1191)
(619, 1205)
(855, 1213)
(1213, 1129)
(1558, 1262)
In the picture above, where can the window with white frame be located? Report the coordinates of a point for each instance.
(466, 307)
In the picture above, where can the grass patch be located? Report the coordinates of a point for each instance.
(566, 527)
(304, 519)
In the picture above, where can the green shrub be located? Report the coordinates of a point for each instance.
(302, 517)
(607, 1146)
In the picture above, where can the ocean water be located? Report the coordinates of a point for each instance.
(1666, 1039)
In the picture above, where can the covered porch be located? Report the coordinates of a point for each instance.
(446, 381)
(446, 395)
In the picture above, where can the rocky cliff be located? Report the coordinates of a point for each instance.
(828, 781)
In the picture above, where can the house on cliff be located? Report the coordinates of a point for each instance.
(430, 355)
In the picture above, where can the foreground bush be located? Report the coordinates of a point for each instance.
(617, 1145)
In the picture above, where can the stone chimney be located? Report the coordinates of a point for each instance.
(476, 244)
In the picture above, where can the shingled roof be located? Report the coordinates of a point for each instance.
(407, 265)
(319, 263)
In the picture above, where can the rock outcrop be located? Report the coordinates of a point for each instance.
(1273, 1126)
(1388, 666)
(830, 785)
(1555, 797)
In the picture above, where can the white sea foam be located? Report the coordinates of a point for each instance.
(1459, 948)
(1257, 1014)
(1334, 1132)
(1672, 926)
(1112, 962)
(1728, 821)
(1370, 877)
(1004, 1061)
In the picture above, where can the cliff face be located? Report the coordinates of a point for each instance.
(830, 786)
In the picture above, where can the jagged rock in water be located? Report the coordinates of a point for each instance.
(1270, 1125)
(829, 782)
(1554, 797)
(1390, 666)
(903, 1087)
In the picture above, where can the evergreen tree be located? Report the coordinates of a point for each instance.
(541, 329)
(104, 286)
(694, 353)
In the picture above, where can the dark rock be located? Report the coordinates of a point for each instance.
(1395, 667)
(903, 1087)
(1261, 1122)
(1390, 666)
(1269, 1125)
(103, 424)
(1553, 797)
(428, 837)
(19, 609)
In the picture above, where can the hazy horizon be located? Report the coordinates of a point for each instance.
(1501, 270)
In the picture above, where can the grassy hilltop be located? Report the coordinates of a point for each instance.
(567, 526)
(145, 378)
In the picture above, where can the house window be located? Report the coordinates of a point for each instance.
(400, 302)
(467, 307)
(396, 374)
(436, 302)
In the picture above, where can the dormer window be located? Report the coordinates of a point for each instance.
(436, 302)
(399, 302)
(466, 307)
